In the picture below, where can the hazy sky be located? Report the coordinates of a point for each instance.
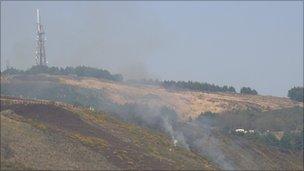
(256, 44)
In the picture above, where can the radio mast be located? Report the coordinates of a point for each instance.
(40, 49)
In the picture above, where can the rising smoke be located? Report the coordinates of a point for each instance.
(196, 135)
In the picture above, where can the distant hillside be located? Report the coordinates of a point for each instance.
(39, 134)
(106, 94)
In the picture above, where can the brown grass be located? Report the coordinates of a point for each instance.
(186, 103)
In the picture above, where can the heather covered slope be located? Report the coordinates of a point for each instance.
(48, 135)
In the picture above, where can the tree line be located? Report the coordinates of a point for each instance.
(83, 71)
(193, 86)
(196, 86)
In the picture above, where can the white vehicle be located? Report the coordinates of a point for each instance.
(240, 130)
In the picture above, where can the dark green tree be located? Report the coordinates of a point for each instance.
(296, 93)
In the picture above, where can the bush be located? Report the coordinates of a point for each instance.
(296, 93)
(248, 90)
(207, 114)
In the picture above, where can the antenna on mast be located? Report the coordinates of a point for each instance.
(38, 16)
(40, 49)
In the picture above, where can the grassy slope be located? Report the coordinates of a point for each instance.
(243, 153)
(48, 136)
(28, 145)
(186, 103)
(251, 154)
